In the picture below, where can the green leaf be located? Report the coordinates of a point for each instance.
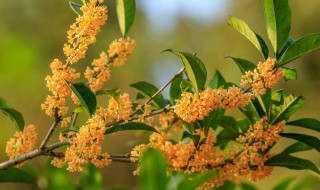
(210, 120)
(300, 47)
(278, 20)
(225, 136)
(126, 11)
(130, 126)
(195, 69)
(115, 92)
(313, 142)
(85, 1)
(244, 65)
(14, 115)
(185, 86)
(217, 80)
(76, 8)
(305, 183)
(148, 90)
(250, 112)
(247, 186)
(308, 123)
(229, 123)
(16, 175)
(90, 178)
(153, 171)
(296, 147)
(290, 105)
(78, 109)
(290, 74)
(65, 131)
(228, 185)
(175, 91)
(86, 96)
(289, 42)
(284, 183)
(291, 162)
(266, 101)
(192, 182)
(245, 30)
(244, 125)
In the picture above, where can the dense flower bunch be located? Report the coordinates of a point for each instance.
(119, 51)
(239, 162)
(119, 109)
(85, 146)
(193, 106)
(23, 142)
(83, 32)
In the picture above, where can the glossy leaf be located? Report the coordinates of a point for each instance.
(76, 8)
(291, 162)
(245, 30)
(300, 47)
(86, 96)
(14, 115)
(312, 141)
(227, 185)
(266, 101)
(243, 64)
(217, 80)
(229, 123)
(225, 136)
(16, 175)
(185, 86)
(115, 93)
(308, 123)
(153, 171)
(126, 11)
(284, 183)
(195, 69)
(247, 186)
(278, 20)
(67, 130)
(130, 126)
(288, 44)
(192, 182)
(296, 147)
(250, 112)
(210, 120)
(290, 74)
(175, 90)
(290, 105)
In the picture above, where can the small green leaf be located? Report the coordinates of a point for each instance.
(229, 123)
(217, 80)
(290, 105)
(148, 90)
(250, 112)
(90, 178)
(296, 147)
(300, 47)
(291, 162)
(288, 44)
(244, 65)
(126, 11)
(313, 142)
(227, 185)
(14, 115)
(130, 126)
(225, 136)
(245, 30)
(65, 131)
(306, 183)
(266, 101)
(308, 123)
(244, 125)
(185, 86)
(290, 74)
(191, 183)
(210, 120)
(76, 8)
(195, 69)
(115, 92)
(175, 91)
(278, 19)
(153, 171)
(247, 186)
(16, 175)
(284, 183)
(86, 96)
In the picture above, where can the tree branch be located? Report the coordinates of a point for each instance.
(51, 130)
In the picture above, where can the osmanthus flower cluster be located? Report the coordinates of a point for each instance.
(194, 106)
(240, 161)
(22, 143)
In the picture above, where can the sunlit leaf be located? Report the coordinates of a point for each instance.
(210, 120)
(175, 91)
(153, 171)
(308, 123)
(247, 186)
(306, 183)
(185, 86)
(14, 115)
(90, 178)
(16, 175)
(193, 182)
(278, 20)
(76, 8)
(227, 185)
(126, 10)
(130, 126)
(229, 123)
(217, 80)
(148, 90)
(312, 141)
(115, 93)
(243, 64)
(289, 42)
(291, 162)
(300, 47)
(284, 183)
(245, 30)
(296, 147)
(195, 69)
(86, 96)
(290, 74)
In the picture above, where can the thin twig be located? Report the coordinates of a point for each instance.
(51, 130)
(74, 119)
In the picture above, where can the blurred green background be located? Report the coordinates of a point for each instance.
(32, 34)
